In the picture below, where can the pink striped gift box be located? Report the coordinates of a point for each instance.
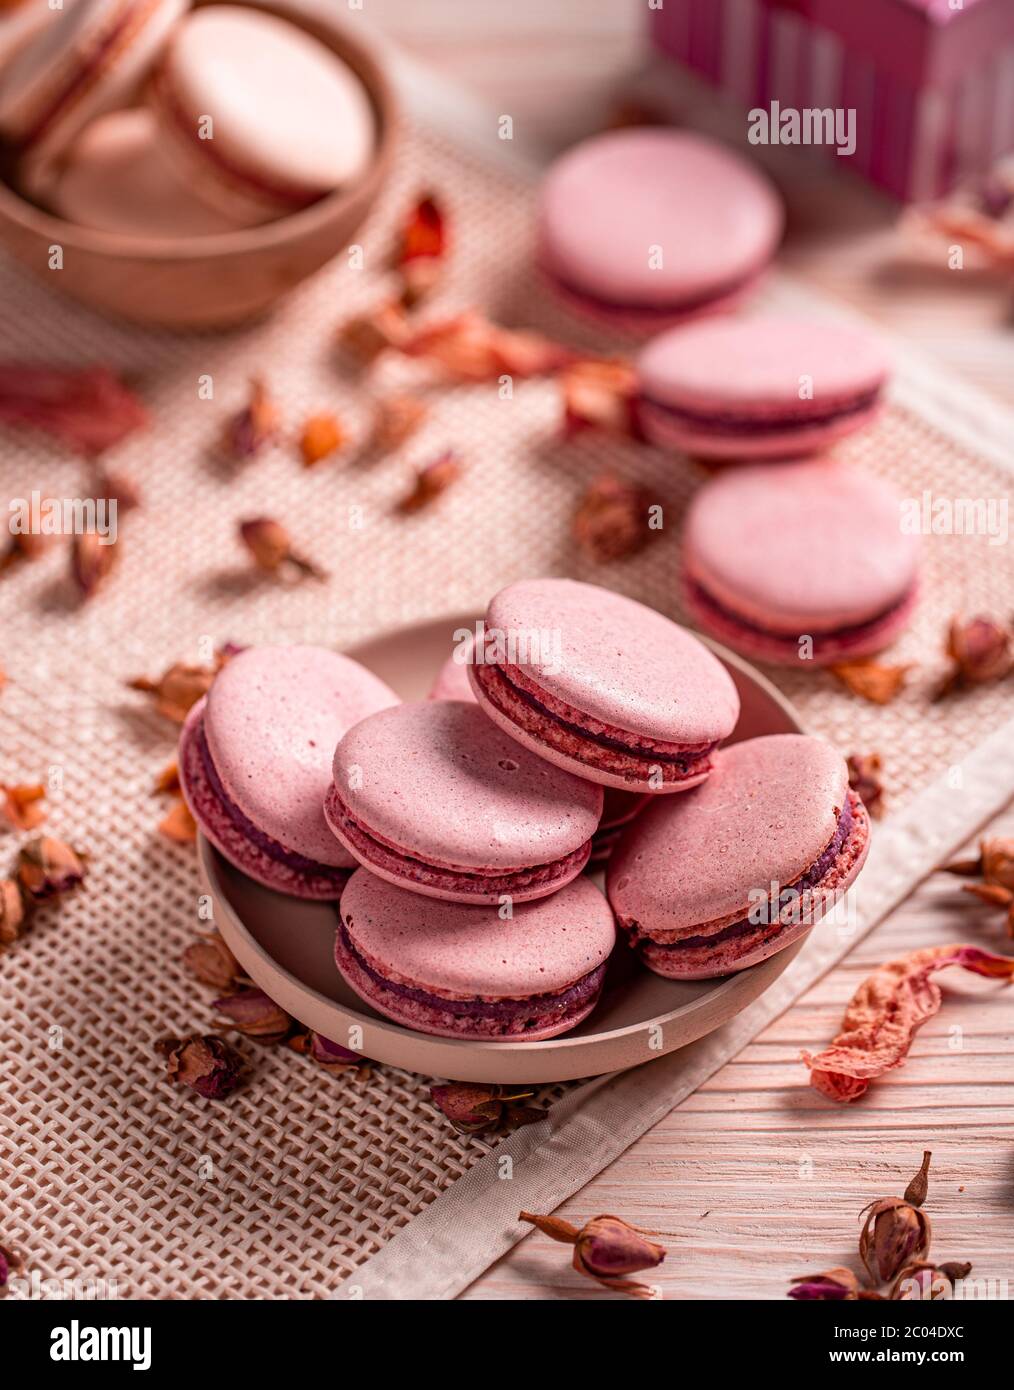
(931, 81)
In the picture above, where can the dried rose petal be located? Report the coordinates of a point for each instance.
(89, 409)
(397, 418)
(605, 1248)
(600, 395)
(178, 824)
(251, 428)
(48, 867)
(835, 1284)
(981, 651)
(327, 1054)
(864, 779)
(366, 336)
(13, 911)
(421, 247)
(473, 1109)
(869, 679)
(253, 1013)
(431, 481)
(211, 961)
(322, 436)
(91, 561)
(208, 1065)
(611, 521)
(884, 1014)
(270, 546)
(22, 804)
(468, 347)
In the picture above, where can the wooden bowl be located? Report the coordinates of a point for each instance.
(287, 946)
(210, 281)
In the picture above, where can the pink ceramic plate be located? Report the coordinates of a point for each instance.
(287, 946)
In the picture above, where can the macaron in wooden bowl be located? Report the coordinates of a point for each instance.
(226, 277)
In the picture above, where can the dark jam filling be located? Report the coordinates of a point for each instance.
(538, 1005)
(786, 897)
(733, 423)
(684, 761)
(707, 600)
(271, 847)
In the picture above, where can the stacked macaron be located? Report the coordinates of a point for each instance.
(135, 116)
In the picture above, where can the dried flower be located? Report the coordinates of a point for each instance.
(208, 1065)
(178, 824)
(13, 911)
(211, 961)
(322, 436)
(869, 679)
(864, 779)
(88, 409)
(473, 1109)
(48, 867)
(397, 418)
(91, 561)
(327, 1054)
(257, 424)
(23, 545)
(922, 1280)
(894, 1234)
(118, 488)
(980, 650)
(605, 1249)
(468, 347)
(995, 862)
(885, 1013)
(22, 804)
(420, 250)
(270, 545)
(253, 1013)
(611, 521)
(431, 481)
(168, 780)
(917, 1189)
(179, 687)
(367, 336)
(834, 1284)
(600, 395)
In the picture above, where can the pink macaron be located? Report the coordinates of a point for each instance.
(603, 686)
(758, 388)
(262, 118)
(116, 178)
(645, 227)
(87, 59)
(255, 762)
(799, 562)
(618, 810)
(710, 883)
(468, 972)
(434, 797)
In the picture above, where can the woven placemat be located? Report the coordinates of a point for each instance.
(108, 1173)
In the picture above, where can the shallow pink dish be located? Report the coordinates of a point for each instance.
(287, 946)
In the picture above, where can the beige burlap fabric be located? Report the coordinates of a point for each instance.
(106, 1171)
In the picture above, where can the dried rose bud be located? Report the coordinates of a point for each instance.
(271, 547)
(605, 1249)
(253, 1013)
(864, 779)
(473, 1109)
(980, 650)
(168, 780)
(397, 419)
(211, 961)
(208, 1065)
(91, 561)
(22, 804)
(420, 249)
(177, 690)
(13, 911)
(178, 824)
(870, 680)
(118, 488)
(611, 521)
(368, 335)
(252, 427)
(924, 1281)
(25, 545)
(431, 481)
(995, 862)
(600, 395)
(9, 1262)
(833, 1284)
(327, 1054)
(894, 1234)
(322, 436)
(48, 867)
(916, 1191)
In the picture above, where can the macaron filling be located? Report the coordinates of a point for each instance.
(719, 612)
(200, 765)
(763, 420)
(569, 731)
(687, 304)
(377, 851)
(826, 874)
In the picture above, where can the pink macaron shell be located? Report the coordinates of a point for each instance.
(274, 716)
(218, 824)
(90, 58)
(848, 560)
(645, 322)
(465, 953)
(665, 432)
(607, 204)
(117, 179)
(291, 122)
(452, 681)
(438, 783)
